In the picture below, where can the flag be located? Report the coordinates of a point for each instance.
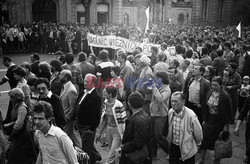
(237, 32)
(147, 16)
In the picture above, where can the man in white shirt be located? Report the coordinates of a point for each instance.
(55, 146)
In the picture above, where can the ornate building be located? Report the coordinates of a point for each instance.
(121, 11)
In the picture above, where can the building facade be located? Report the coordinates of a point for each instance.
(122, 11)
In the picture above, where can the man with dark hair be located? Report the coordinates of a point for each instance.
(196, 91)
(43, 86)
(137, 130)
(35, 60)
(59, 148)
(84, 65)
(179, 75)
(205, 59)
(9, 74)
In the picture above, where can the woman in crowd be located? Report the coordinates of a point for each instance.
(21, 147)
(44, 70)
(19, 74)
(216, 116)
(113, 120)
(55, 84)
(116, 81)
(209, 73)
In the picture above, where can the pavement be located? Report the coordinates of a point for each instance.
(238, 143)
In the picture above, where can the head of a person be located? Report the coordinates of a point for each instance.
(27, 67)
(231, 67)
(121, 56)
(204, 51)
(58, 53)
(109, 92)
(61, 59)
(154, 50)
(82, 56)
(104, 55)
(209, 72)
(135, 100)
(92, 58)
(189, 53)
(32, 83)
(19, 73)
(44, 67)
(161, 56)
(178, 49)
(219, 53)
(42, 115)
(246, 80)
(137, 59)
(65, 76)
(131, 59)
(198, 70)
(6, 61)
(185, 64)
(69, 58)
(177, 101)
(174, 63)
(42, 87)
(139, 49)
(90, 81)
(163, 78)
(242, 48)
(227, 45)
(34, 57)
(16, 95)
(164, 46)
(216, 83)
(144, 60)
(55, 66)
(172, 72)
(115, 71)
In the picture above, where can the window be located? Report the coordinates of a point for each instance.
(220, 9)
(204, 9)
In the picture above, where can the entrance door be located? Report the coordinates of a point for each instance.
(102, 17)
(181, 19)
(44, 10)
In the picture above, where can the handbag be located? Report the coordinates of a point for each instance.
(223, 146)
(139, 155)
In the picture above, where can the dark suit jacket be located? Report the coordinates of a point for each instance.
(224, 107)
(137, 132)
(58, 112)
(86, 67)
(246, 68)
(89, 111)
(204, 88)
(35, 68)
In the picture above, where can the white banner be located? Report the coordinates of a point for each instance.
(114, 42)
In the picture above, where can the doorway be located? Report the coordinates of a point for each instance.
(44, 10)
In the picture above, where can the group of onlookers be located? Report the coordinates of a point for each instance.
(195, 91)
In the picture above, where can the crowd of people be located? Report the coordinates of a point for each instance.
(193, 92)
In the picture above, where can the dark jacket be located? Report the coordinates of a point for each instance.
(224, 107)
(58, 112)
(35, 67)
(89, 111)
(137, 132)
(245, 110)
(204, 88)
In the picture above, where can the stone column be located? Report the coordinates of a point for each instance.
(117, 11)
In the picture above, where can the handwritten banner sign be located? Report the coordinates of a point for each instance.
(116, 42)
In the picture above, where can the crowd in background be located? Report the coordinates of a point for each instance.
(205, 81)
